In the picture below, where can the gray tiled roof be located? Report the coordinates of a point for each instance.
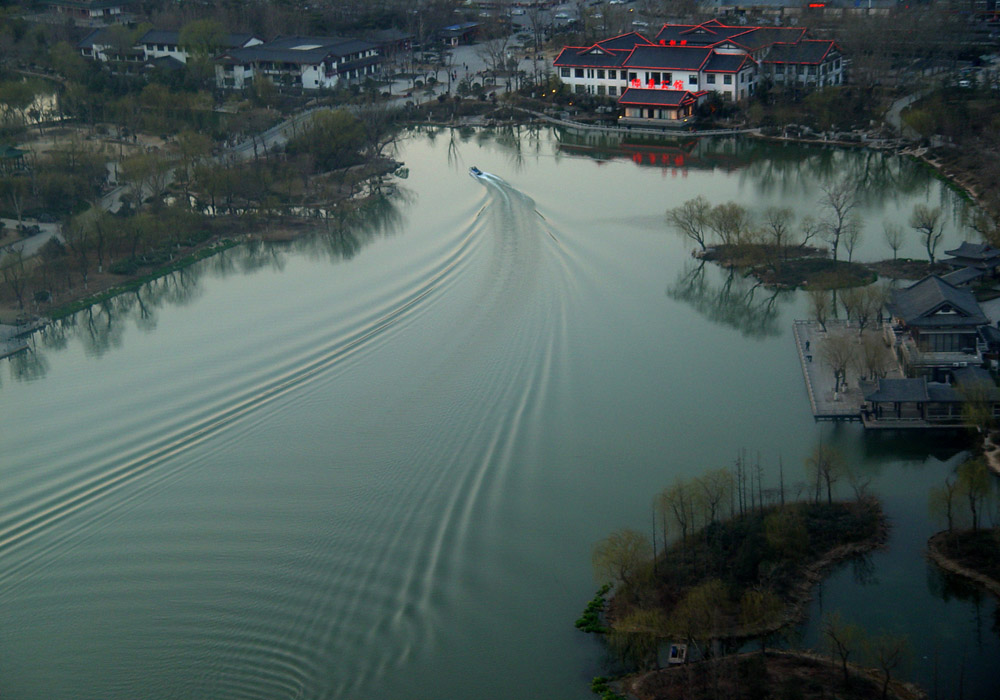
(726, 62)
(963, 275)
(668, 57)
(624, 41)
(98, 37)
(283, 50)
(663, 98)
(807, 51)
(171, 36)
(899, 390)
(585, 57)
(975, 251)
(759, 37)
(917, 305)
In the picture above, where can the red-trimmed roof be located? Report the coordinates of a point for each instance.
(658, 97)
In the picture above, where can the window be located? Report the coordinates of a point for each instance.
(710, 79)
(579, 90)
(578, 73)
(613, 74)
(564, 72)
(590, 72)
(631, 75)
(654, 76)
(613, 90)
(692, 80)
(727, 79)
(601, 90)
(600, 73)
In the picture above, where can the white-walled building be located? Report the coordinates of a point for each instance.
(163, 43)
(156, 43)
(707, 57)
(310, 63)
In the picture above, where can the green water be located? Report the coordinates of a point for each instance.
(372, 463)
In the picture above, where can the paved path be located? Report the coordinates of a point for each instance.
(32, 244)
(826, 404)
(894, 116)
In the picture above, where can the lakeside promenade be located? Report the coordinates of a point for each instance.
(827, 404)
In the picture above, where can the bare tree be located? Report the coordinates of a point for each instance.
(692, 219)
(714, 489)
(827, 465)
(875, 359)
(927, 222)
(844, 639)
(837, 206)
(819, 303)
(852, 236)
(15, 274)
(809, 228)
(677, 500)
(941, 501)
(888, 652)
(893, 236)
(836, 350)
(494, 45)
(777, 222)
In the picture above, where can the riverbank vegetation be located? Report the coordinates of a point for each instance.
(730, 561)
(968, 504)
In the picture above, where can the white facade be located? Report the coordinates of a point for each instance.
(736, 85)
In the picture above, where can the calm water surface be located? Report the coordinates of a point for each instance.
(372, 464)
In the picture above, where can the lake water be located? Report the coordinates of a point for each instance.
(373, 463)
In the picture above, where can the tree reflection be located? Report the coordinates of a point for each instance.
(739, 302)
(947, 586)
(28, 365)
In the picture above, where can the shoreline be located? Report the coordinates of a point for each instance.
(898, 689)
(952, 179)
(935, 554)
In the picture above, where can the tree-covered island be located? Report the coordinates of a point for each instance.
(699, 608)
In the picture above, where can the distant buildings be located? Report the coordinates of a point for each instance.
(699, 59)
(310, 63)
(304, 62)
(90, 11)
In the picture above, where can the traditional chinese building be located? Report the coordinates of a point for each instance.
(710, 56)
(919, 403)
(936, 328)
(656, 106)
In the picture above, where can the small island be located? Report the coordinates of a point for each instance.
(738, 571)
(968, 548)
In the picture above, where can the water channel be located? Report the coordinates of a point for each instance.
(372, 463)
